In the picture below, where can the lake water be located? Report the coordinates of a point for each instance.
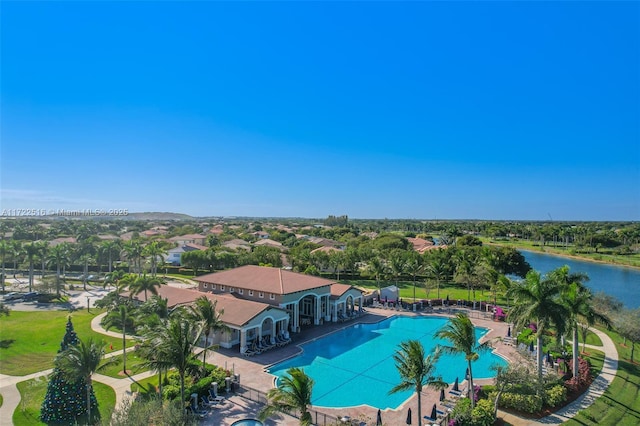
(618, 281)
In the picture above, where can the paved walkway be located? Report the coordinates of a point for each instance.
(597, 388)
(254, 375)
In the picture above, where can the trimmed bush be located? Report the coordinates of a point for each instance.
(555, 396)
(521, 402)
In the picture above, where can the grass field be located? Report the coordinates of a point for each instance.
(114, 368)
(30, 340)
(32, 393)
(620, 404)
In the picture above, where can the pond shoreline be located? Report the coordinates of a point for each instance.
(565, 255)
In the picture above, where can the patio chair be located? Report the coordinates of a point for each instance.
(198, 413)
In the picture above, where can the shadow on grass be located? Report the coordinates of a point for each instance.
(6, 343)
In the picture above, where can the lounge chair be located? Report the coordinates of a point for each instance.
(198, 413)
(215, 398)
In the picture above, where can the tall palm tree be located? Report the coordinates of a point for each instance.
(292, 394)
(108, 249)
(145, 284)
(133, 252)
(5, 249)
(537, 299)
(378, 268)
(16, 252)
(413, 266)
(397, 263)
(60, 256)
(174, 343)
(31, 251)
(461, 334)
(579, 303)
(416, 370)
(119, 318)
(438, 271)
(43, 252)
(154, 251)
(81, 361)
(204, 310)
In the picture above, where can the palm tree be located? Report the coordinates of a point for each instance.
(145, 284)
(173, 343)
(154, 251)
(16, 251)
(81, 361)
(292, 394)
(5, 248)
(43, 251)
(31, 251)
(413, 266)
(59, 255)
(378, 268)
(205, 311)
(397, 263)
(108, 248)
(437, 270)
(579, 303)
(416, 370)
(119, 318)
(133, 252)
(461, 334)
(538, 300)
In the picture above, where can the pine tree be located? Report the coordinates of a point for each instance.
(66, 402)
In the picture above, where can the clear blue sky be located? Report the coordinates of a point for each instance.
(447, 110)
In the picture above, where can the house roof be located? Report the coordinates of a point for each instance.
(236, 311)
(268, 242)
(188, 237)
(195, 246)
(338, 289)
(326, 249)
(262, 278)
(57, 241)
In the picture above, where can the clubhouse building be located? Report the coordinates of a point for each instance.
(261, 302)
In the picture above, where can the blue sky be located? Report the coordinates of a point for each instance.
(446, 110)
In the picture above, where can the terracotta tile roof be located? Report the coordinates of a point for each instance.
(236, 311)
(326, 249)
(196, 246)
(338, 289)
(57, 241)
(262, 278)
(268, 242)
(188, 237)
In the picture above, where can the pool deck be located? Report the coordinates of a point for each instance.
(252, 371)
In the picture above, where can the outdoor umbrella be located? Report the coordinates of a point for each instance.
(509, 332)
(447, 300)
(531, 346)
(434, 413)
(549, 359)
(379, 421)
(466, 374)
(455, 386)
(409, 417)
(441, 395)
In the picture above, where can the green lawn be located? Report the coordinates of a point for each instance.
(620, 404)
(32, 393)
(454, 291)
(114, 368)
(592, 339)
(30, 340)
(144, 385)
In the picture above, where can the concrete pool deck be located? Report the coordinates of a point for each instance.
(252, 370)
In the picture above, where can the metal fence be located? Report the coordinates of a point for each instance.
(319, 418)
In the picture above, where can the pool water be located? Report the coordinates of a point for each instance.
(355, 366)
(247, 422)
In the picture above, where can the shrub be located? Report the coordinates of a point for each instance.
(583, 378)
(555, 396)
(171, 392)
(201, 387)
(521, 402)
(482, 414)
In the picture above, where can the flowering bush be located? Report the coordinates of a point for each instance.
(583, 378)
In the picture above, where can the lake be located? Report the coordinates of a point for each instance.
(618, 281)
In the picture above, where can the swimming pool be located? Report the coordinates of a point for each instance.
(247, 422)
(355, 366)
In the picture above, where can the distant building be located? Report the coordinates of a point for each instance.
(174, 255)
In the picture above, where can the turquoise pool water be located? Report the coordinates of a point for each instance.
(355, 366)
(247, 422)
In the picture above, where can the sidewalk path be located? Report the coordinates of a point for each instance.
(595, 391)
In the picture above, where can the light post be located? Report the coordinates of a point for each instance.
(88, 299)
